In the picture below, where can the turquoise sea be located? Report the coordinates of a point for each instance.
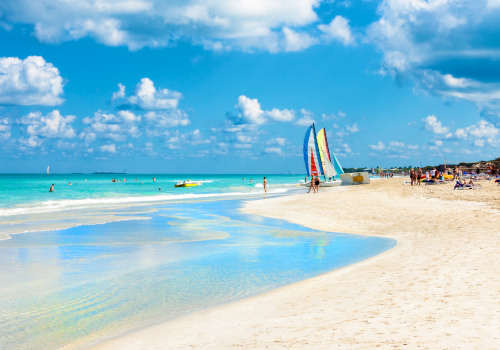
(97, 258)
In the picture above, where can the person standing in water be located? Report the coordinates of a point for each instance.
(265, 184)
(51, 189)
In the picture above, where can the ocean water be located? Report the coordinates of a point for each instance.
(98, 259)
(29, 191)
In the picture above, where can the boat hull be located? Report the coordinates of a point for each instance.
(186, 185)
(324, 184)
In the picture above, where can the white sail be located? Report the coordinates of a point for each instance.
(48, 170)
(328, 167)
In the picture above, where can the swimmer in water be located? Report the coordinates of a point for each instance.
(51, 189)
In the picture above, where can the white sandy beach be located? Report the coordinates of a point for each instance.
(438, 289)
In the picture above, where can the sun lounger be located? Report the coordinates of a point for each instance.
(433, 182)
(461, 186)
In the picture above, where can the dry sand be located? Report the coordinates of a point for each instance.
(438, 289)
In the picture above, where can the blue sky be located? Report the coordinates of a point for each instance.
(228, 86)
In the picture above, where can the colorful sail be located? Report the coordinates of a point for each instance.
(311, 153)
(323, 144)
(48, 173)
(324, 148)
(324, 154)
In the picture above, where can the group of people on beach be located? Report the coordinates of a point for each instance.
(432, 175)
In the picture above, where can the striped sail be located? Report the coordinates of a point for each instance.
(311, 153)
(324, 154)
(323, 144)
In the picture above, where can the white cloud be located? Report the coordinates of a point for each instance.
(283, 115)
(243, 145)
(482, 129)
(243, 138)
(167, 119)
(433, 125)
(305, 121)
(31, 81)
(251, 113)
(280, 141)
(295, 41)
(346, 147)
(338, 29)
(4, 129)
(192, 138)
(32, 141)
(275, 150)
(250, 110)
(107, 125)
(339, 115)
(147, 97)
(396, 144)
(111, 148)
(349, 129)
(453, 82)
(53, 124)
(378, 147)
(441, 46)
(120, 93)
(353, 128)
(479, 143)
(493, 3)
(129, 117)
(215, 24)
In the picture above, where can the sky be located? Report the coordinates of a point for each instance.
(231, 86)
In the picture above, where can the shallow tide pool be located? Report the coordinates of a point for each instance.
(78, 286)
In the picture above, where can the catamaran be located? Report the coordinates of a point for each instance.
(317, 158)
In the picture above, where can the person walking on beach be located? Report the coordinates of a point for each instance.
(316, 183)
(51, 189)
(265, 184)
(419, 175)
(311, 186)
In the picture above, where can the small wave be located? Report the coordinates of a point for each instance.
(56, 205)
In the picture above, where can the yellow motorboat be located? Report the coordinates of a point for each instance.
(187, 183)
